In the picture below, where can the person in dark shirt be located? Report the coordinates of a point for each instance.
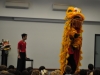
(22, 53)
(90, 69)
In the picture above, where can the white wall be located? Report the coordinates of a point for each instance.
(44, 42)
(88, 43)
(43, 9)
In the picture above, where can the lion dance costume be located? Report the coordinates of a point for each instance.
(72, 40)
(5, 45)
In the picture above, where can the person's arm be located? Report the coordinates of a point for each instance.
(18, 50)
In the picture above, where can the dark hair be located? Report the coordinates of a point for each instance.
(5, 73)
(23, 35)
(41, 68)
(30, 72)
(12, 71)
(96, 72)
(25, 72)
(17, 72)
(29, 69)
(3, 67)
(90, 67)
(68, 69)
(11, 67)
(83, 72)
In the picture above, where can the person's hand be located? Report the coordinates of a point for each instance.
(18, 56)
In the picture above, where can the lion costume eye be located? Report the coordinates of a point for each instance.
(69, 10)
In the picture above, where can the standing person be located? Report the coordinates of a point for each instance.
(22, 53)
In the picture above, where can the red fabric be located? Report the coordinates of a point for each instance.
(77, 53)
(70, 50)
(76, 56)
(22, 46)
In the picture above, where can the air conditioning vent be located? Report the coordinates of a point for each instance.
(60, 7)
(21, 4)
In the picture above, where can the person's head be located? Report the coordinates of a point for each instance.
(58, 72)
(17, 72)
(35, 72)
(3, 68)
(53, 73)
(24, 36)
(96, 72)
(12, 71)
(41, 68)
(68, 69)
(29, 69)
(44, 72)
(25, 72)
(30, 72)
(83, 72)
(5, 73)
(90, 67)
(11, 67)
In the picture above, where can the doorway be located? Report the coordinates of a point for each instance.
(97, 51)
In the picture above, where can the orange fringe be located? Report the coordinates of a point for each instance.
(69, 31)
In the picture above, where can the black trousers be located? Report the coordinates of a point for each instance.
(4, 57)
(21, 62)
(72, 63)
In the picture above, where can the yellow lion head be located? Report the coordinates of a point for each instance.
(74, 12)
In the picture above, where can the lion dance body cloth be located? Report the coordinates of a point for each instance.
(72, 40)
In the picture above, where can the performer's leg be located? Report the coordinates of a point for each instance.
(19, 64)
(23, 61)
(72, 63)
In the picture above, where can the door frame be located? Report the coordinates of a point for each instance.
(95, 49)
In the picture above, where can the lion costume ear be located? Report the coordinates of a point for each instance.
(69, 10)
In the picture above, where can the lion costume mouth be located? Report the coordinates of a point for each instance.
(76, 21)
(78, 17)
